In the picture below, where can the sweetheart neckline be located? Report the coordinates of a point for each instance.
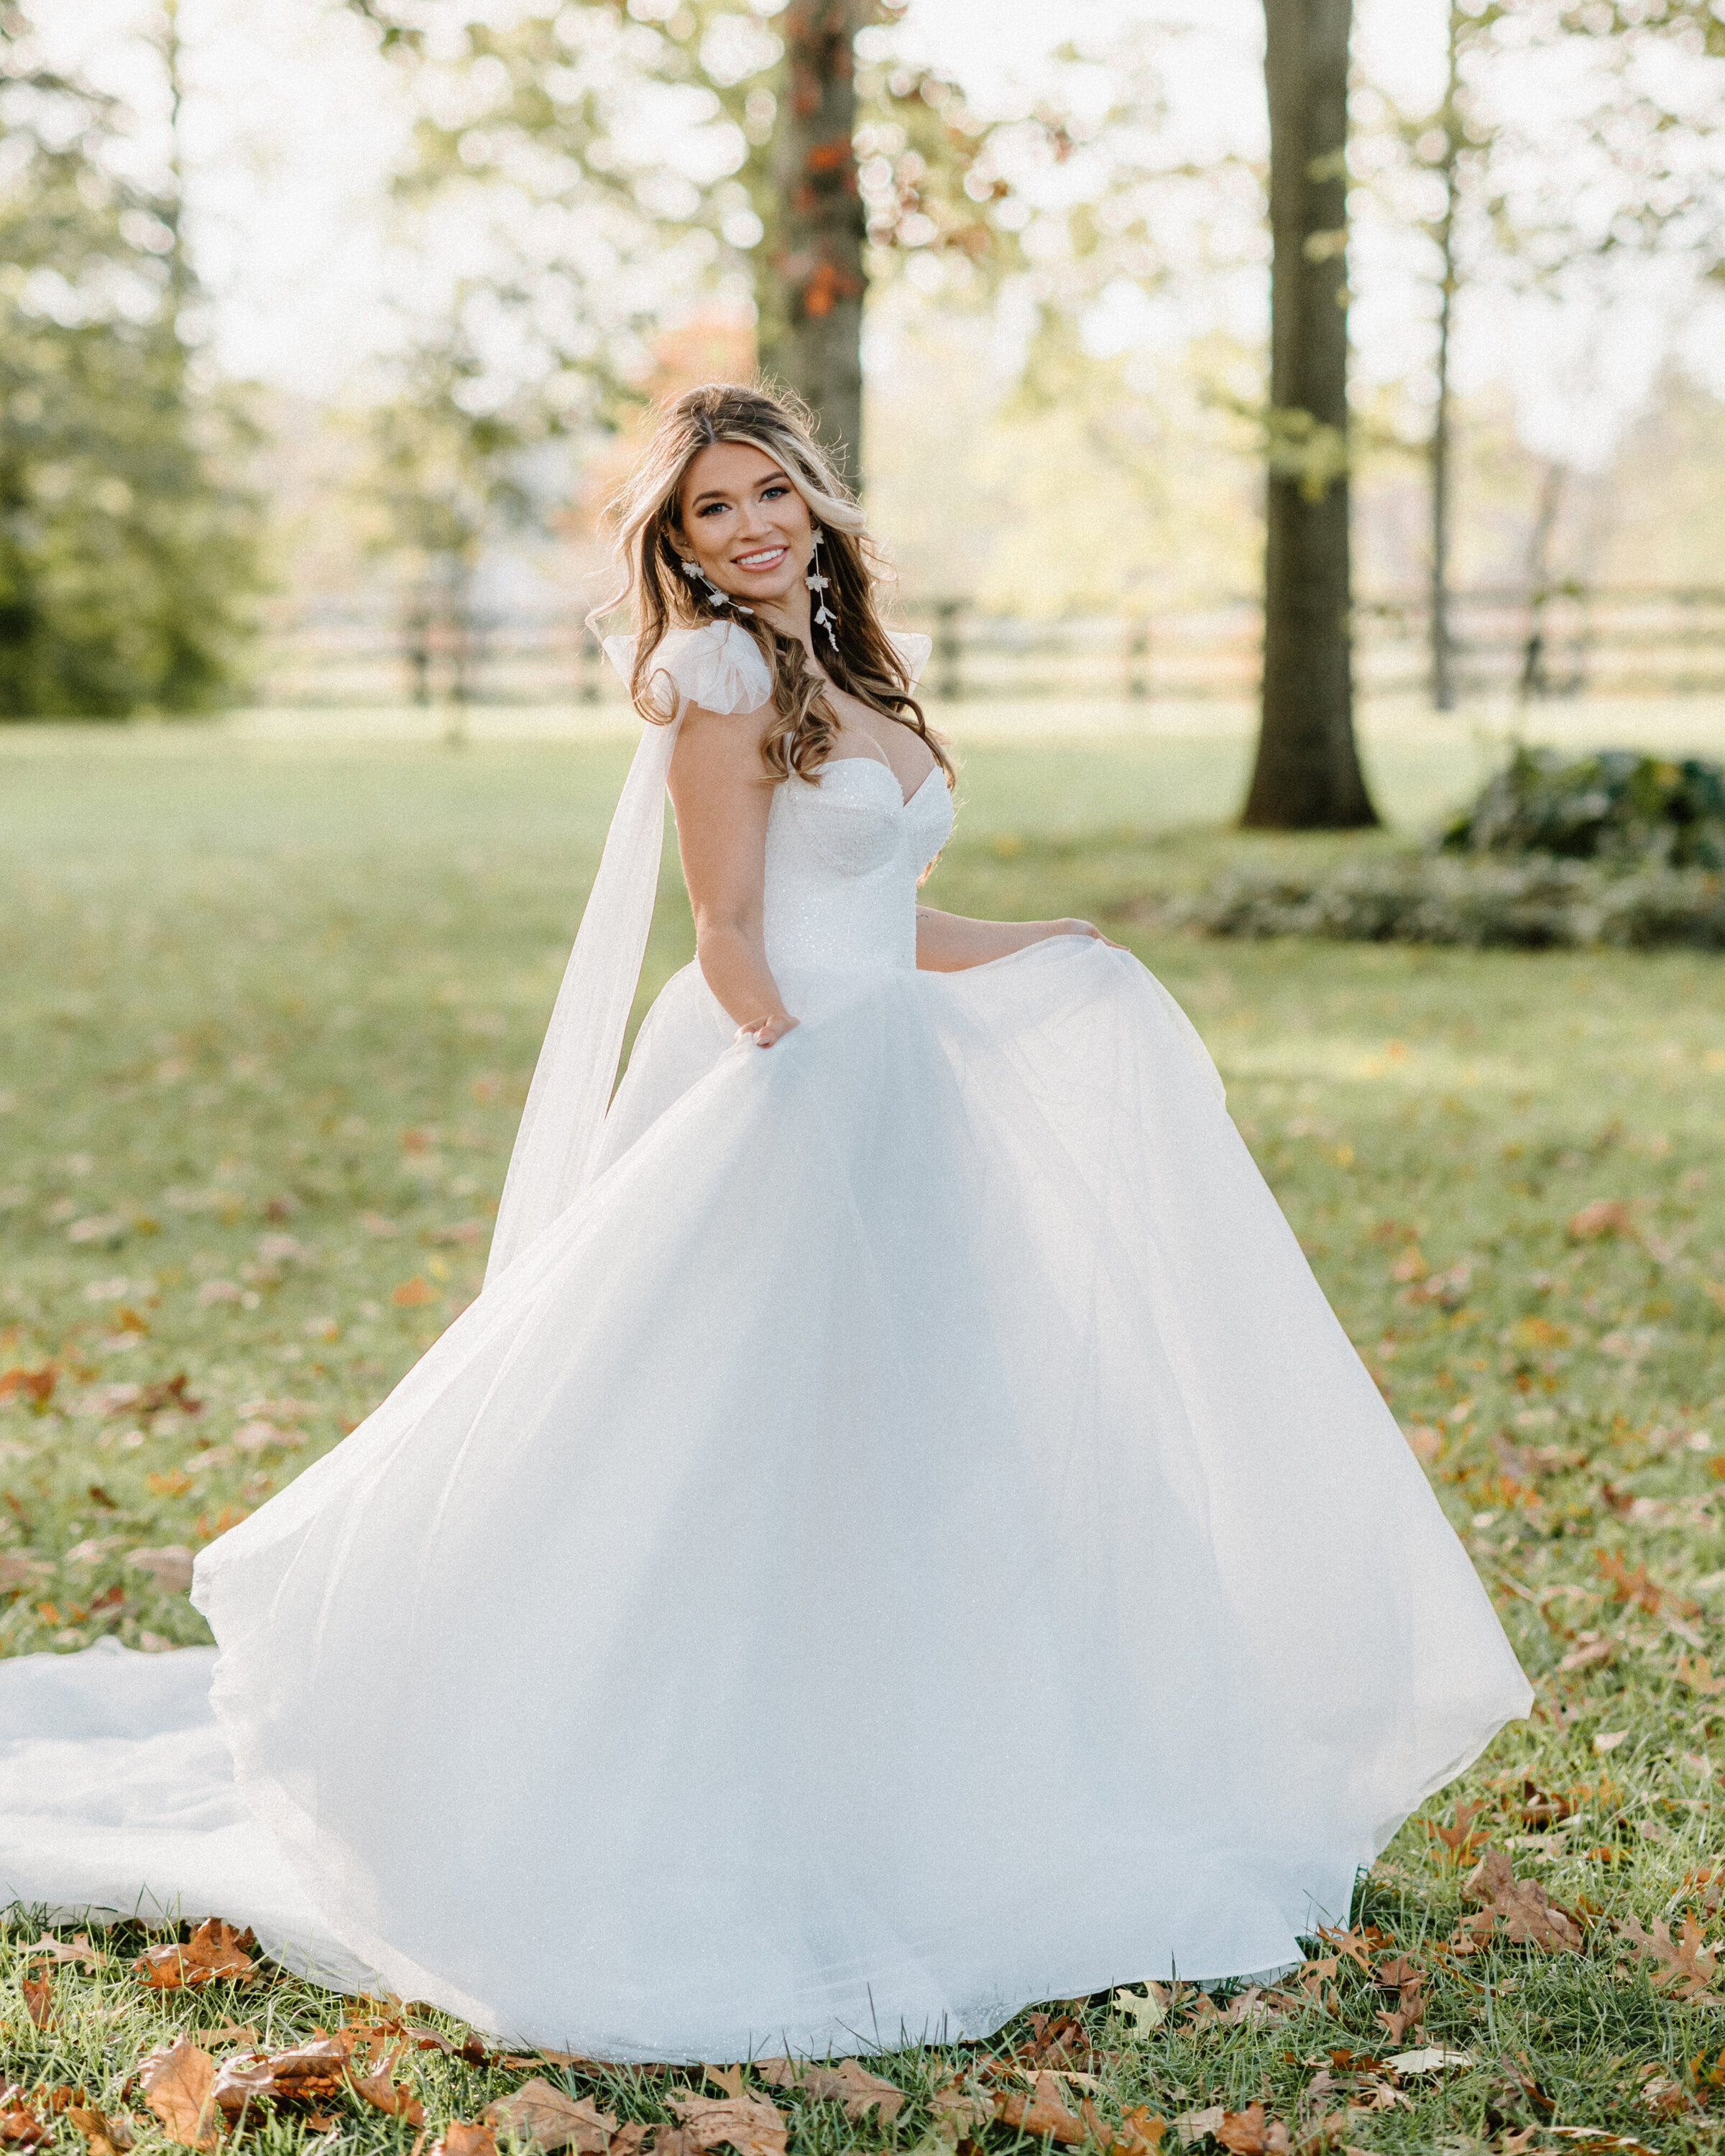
(879, 763)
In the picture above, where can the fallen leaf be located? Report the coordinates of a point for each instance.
(1601, 1216)
(1459, 1842)
(19, 1570)
(214, 1950)
(178, 2082)
(411, 1293)
(465, 2137)
(1145, 2013)
(1043, 2113)
(379, 2089)
(20, 2128)
(547, 2116)
(38, 1999)
(105, 2139)
(170, 1567)
(1529, 1916)
(959, 2112)
(1192, 2126)
(1697, 1672)
(752, 2125)
(1594, 2141)
(849, 2083)
(1250, 2132)
(1590, 1654)
(1685, 1966)
(1432, 2060)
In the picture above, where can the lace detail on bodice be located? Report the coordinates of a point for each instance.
(844, 855)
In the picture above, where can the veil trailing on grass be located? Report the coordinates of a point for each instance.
(719, 668)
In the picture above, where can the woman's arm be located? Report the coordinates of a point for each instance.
(722, 797)
(948, 942)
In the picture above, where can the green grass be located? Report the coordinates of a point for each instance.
(269, 1013)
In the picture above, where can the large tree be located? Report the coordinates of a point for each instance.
(128, 550)
(1307, 775)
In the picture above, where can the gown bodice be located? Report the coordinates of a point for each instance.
(845, 855)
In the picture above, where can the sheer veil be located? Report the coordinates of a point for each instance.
(721, 668)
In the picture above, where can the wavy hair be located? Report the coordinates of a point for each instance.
(645, 520)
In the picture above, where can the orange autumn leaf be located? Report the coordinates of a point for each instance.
(750, 2124)
(379, 2089)
(464, 2137)
(1250, 2132)
(551, 2119)
(1601, 1216)
(413, 1292)
(20, 2128)
(105, 2138)
(1043, 2113)
(215, 1950)
(38, 1999)
(179, 2081)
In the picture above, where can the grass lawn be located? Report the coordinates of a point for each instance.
(269, 1013)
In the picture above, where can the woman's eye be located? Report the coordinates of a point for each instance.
(711, 509)
(772, 493)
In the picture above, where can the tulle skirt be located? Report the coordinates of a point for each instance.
(912, 1540)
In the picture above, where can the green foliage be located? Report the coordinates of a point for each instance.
(260, 994)
(1412, 898)
(127, 550)
(1616, 806)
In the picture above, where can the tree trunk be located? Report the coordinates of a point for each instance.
(818, 265)
(1307, 775)
(1443, 648)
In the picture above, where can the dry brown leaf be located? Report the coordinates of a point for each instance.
(232, 2032)
(1140, 2132)
(848, 2083)
(246, 2077)
(214, 1950)
(20, 2128)
(752, 2125)
(78, 1949)
(38, 1999)
(1192, 2126)
(959, 2112)
(380, 2089)
(1685, 1966)
(539, 2112)
(628, 2138)
(729, 2078)
(179, 2081)
(464, 2137)
(105, 2139)
(1250, 2132)
(1529, 1916)
(1042, 2113)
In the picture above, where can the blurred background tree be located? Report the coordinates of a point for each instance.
(128, 538)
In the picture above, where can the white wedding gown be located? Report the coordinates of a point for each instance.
(910, 1539)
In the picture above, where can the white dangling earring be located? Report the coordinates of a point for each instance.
(696, 575)
(817, 583)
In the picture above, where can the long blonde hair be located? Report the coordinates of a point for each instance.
(646, 518)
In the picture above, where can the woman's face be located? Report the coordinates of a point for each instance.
(744, 524)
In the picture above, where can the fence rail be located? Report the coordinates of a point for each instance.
(1648, 640)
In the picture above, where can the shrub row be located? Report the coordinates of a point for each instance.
(1420, 898)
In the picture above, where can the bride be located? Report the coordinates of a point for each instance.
(900, 1536)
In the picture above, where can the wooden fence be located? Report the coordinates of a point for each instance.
(1647, 641)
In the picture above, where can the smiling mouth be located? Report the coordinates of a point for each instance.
(767, 557)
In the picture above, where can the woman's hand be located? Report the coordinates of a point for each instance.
(766, 1030)
(1085, 928)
